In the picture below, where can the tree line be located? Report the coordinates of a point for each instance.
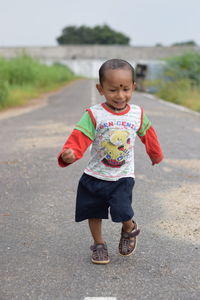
(100, 35)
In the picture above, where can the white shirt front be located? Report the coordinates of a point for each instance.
(112, 153)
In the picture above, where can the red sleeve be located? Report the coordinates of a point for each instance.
(78, 142)
(152, 145)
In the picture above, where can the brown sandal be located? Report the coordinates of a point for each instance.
(127, 243)
(100, 254)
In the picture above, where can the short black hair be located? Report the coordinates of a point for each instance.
(113, 64)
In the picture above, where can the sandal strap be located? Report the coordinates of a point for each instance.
(98, 246)
(131, 234)
(100, 253)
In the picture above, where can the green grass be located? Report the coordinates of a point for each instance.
(181, 81)
(24, 78)
(180, 92)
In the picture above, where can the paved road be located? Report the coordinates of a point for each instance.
(45, 255)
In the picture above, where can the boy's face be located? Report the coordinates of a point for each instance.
(117, 87)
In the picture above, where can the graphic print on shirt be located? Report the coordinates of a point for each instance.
(112, 151)
(116, 148)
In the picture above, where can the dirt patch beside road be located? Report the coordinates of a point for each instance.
(181, 206)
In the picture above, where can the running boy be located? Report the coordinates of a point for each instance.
(107, 182)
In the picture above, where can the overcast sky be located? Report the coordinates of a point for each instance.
(146, 22)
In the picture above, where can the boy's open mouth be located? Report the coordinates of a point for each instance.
(120, 102)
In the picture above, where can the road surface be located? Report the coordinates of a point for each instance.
(45, 255)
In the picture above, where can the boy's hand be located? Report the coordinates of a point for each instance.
(68, 156)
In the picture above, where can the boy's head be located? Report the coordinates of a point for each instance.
(116, 83)
(114, 64)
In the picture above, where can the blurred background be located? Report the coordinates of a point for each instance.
(159, 38)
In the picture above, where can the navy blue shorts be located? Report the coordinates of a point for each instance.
(95, 197)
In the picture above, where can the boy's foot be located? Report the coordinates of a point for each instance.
(127, 243)
(100, 254)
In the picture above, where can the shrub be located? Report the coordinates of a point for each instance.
(186, 66)
(23, 70)
(4, 91)
(181, 83)
(22, 78)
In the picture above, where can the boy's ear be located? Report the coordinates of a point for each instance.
(134, 86)
(99, 88)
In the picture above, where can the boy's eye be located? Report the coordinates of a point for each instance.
(114, 90)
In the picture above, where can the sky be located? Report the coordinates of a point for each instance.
(145, 22)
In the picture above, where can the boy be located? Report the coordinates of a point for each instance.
(108, 180)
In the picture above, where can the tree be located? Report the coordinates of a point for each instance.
(187, 43)
(102, 35)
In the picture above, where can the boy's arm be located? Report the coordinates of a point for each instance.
(79, 140)
(149, 138)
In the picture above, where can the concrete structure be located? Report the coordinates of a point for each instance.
(86, 59)
(58, 53)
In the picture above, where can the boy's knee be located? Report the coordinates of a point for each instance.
(121, 215)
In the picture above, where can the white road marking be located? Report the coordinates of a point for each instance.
(148, 96)
(100, 298)
(173, 105)
(93, 93)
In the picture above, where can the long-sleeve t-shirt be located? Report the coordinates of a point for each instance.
(112, 136)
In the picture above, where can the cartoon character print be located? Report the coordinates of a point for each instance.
(116, 148)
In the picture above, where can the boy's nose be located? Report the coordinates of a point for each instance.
(120, 94)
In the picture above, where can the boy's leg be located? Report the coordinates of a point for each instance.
(127, 243)
(95, 228)
(121, 209)
(99, 249)
(128, 226)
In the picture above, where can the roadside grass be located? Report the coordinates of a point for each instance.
(181, 92)
(192, 100)
(24, 78)
(19, 96)
(180, 82)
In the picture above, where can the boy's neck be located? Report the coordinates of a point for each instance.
(116, 109)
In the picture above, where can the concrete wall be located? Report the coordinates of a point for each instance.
(86, 60)
(59, 53)
(86, 67)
